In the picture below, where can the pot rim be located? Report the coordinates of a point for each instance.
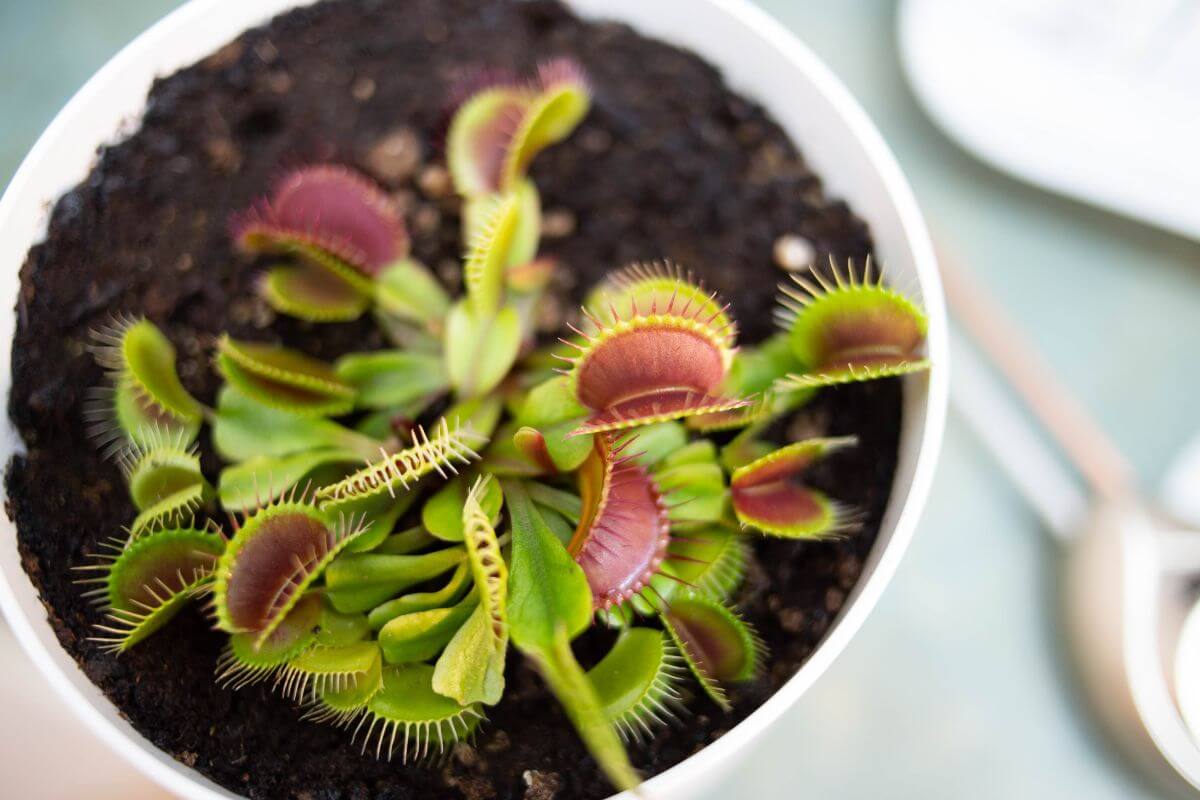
(199, 27)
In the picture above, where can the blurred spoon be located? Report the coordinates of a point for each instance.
(1128, 567)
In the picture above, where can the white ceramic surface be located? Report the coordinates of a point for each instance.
(758, 58)
(1096, 100)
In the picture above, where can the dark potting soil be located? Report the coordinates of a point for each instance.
(669, 164)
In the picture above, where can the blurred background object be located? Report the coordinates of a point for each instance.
(957, 686)
(1098, 99)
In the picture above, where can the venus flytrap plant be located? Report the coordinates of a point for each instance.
(636, 682)
(142, 585)
(716, 644)
(767, 495)
(846, 329)
(343, 231)
(401, 517)
(144, 399)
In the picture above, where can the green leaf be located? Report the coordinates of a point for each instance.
(551, 409)
(653, 443)
(487, 256)
(755, 368)
(388, 378)
(549, 402)
(478, 414)
(547, 589)
(379, 515)
(471, 668)
(406, 542)
(701, 451)
(578, 696)
(337, 629)
(523, 244)
(565, 503)
(422, 634)
(409, 291)
(283, 378)
(694, 492)
(448, 595)
(243, 429)
(560, 526)
(309, 292)
(443, 513)
(262, 480)
(743, 449)
(551, 118)
(480, 350)
(359, 582)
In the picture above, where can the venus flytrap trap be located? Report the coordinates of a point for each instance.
(848, 328)
(398, 519)
(144, 399)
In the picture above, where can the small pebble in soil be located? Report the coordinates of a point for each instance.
(426, 221)
(550, 315)
(223, 154)
(227, 56)
(466, 755)
(794, 253)
(596, 141)
(791, 620)
(541, 785)
(266, 51)
(449, 271)
(434, 181)
(558, 223)
(394, 157)
(834, 598)
(498, 743)
(436, 32)
(279, 82)
(363, 89)
(406, 201)
(470, 786)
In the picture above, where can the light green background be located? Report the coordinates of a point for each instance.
(955, 687)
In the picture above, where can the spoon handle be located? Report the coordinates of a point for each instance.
(1083, 442)
(1021, 450)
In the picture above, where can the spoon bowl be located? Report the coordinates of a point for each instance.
(1125, 597)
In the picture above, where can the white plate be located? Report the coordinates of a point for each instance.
(1097, 99)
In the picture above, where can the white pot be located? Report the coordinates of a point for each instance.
(758, 58)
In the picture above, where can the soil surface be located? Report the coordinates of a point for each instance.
(669, 164)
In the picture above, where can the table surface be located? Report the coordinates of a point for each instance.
(956, 686)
